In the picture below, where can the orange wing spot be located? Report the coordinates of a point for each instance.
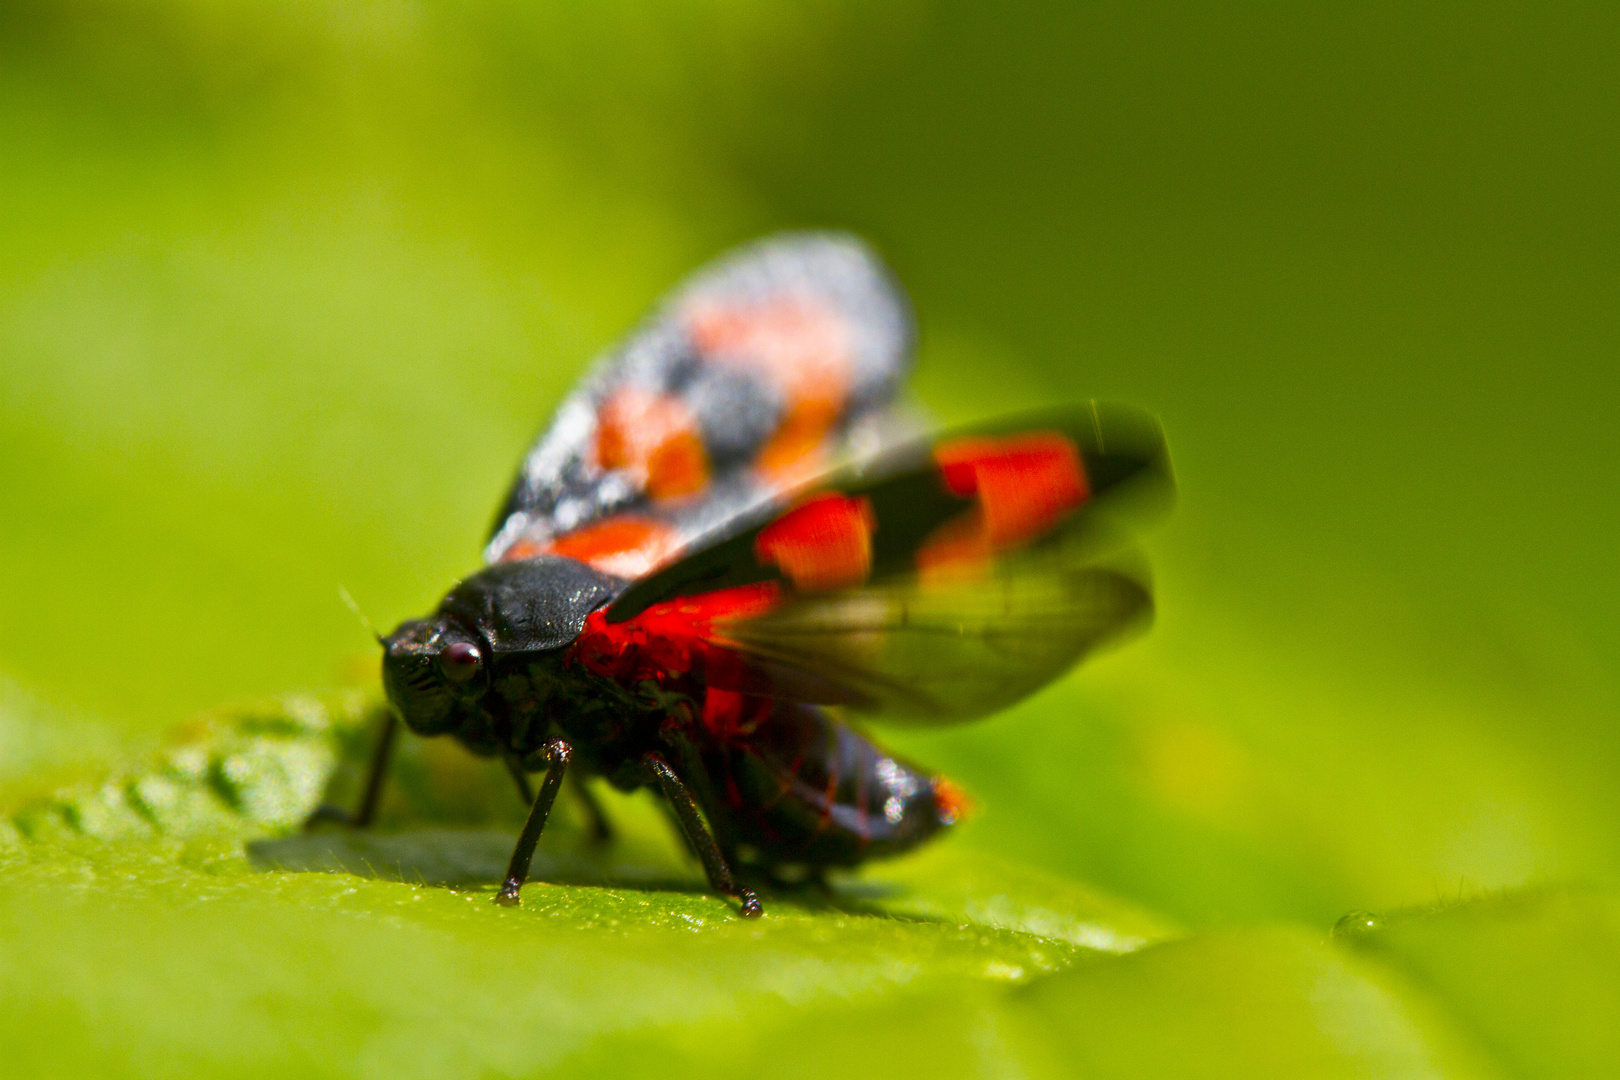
(822, 544)
(792, 454)
(680, 466)
(794, 339)
(526, 549)
(801, 345)
(951, 803)
(1024, 483)
(656, 438)
(626, 546)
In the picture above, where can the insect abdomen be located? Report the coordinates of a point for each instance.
(798, 786)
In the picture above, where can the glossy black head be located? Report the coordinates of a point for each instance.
(437, 670)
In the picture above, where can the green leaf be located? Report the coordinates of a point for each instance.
(162, 881)
(150, 900)
(1531, 977)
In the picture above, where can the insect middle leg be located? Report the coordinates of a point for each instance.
(520, 777)
(601, 828)
(698, 835)
(678, 827)
(517, 871)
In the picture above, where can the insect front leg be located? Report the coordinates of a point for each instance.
(376, 773)
(517, 871)
(698, 835)
(601, 829)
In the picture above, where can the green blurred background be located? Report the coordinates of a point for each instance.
(286, 289)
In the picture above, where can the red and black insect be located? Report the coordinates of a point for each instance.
(724, 543)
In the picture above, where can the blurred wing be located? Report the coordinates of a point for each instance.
(932, 653)
(944, 581)
(746, 380)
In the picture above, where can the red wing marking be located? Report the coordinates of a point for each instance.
(801, 345)
(656, 438)
(624, 546)
(1024, 483)
(822, 544)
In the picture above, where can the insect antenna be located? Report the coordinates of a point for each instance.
(348, 602)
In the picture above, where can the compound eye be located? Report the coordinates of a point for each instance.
(460, 661)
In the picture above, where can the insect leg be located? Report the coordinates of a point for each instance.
(520, 778)
(601, 829)
(698, 835)
(557, 753)
(376, 773)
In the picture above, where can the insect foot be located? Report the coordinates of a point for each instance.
(702, 841)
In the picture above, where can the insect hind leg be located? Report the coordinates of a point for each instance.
(699, 836)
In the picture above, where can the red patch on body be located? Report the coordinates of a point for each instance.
(1024, 483)
(822, 544)
(733, 716)
(678, 643)
(656, 438)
